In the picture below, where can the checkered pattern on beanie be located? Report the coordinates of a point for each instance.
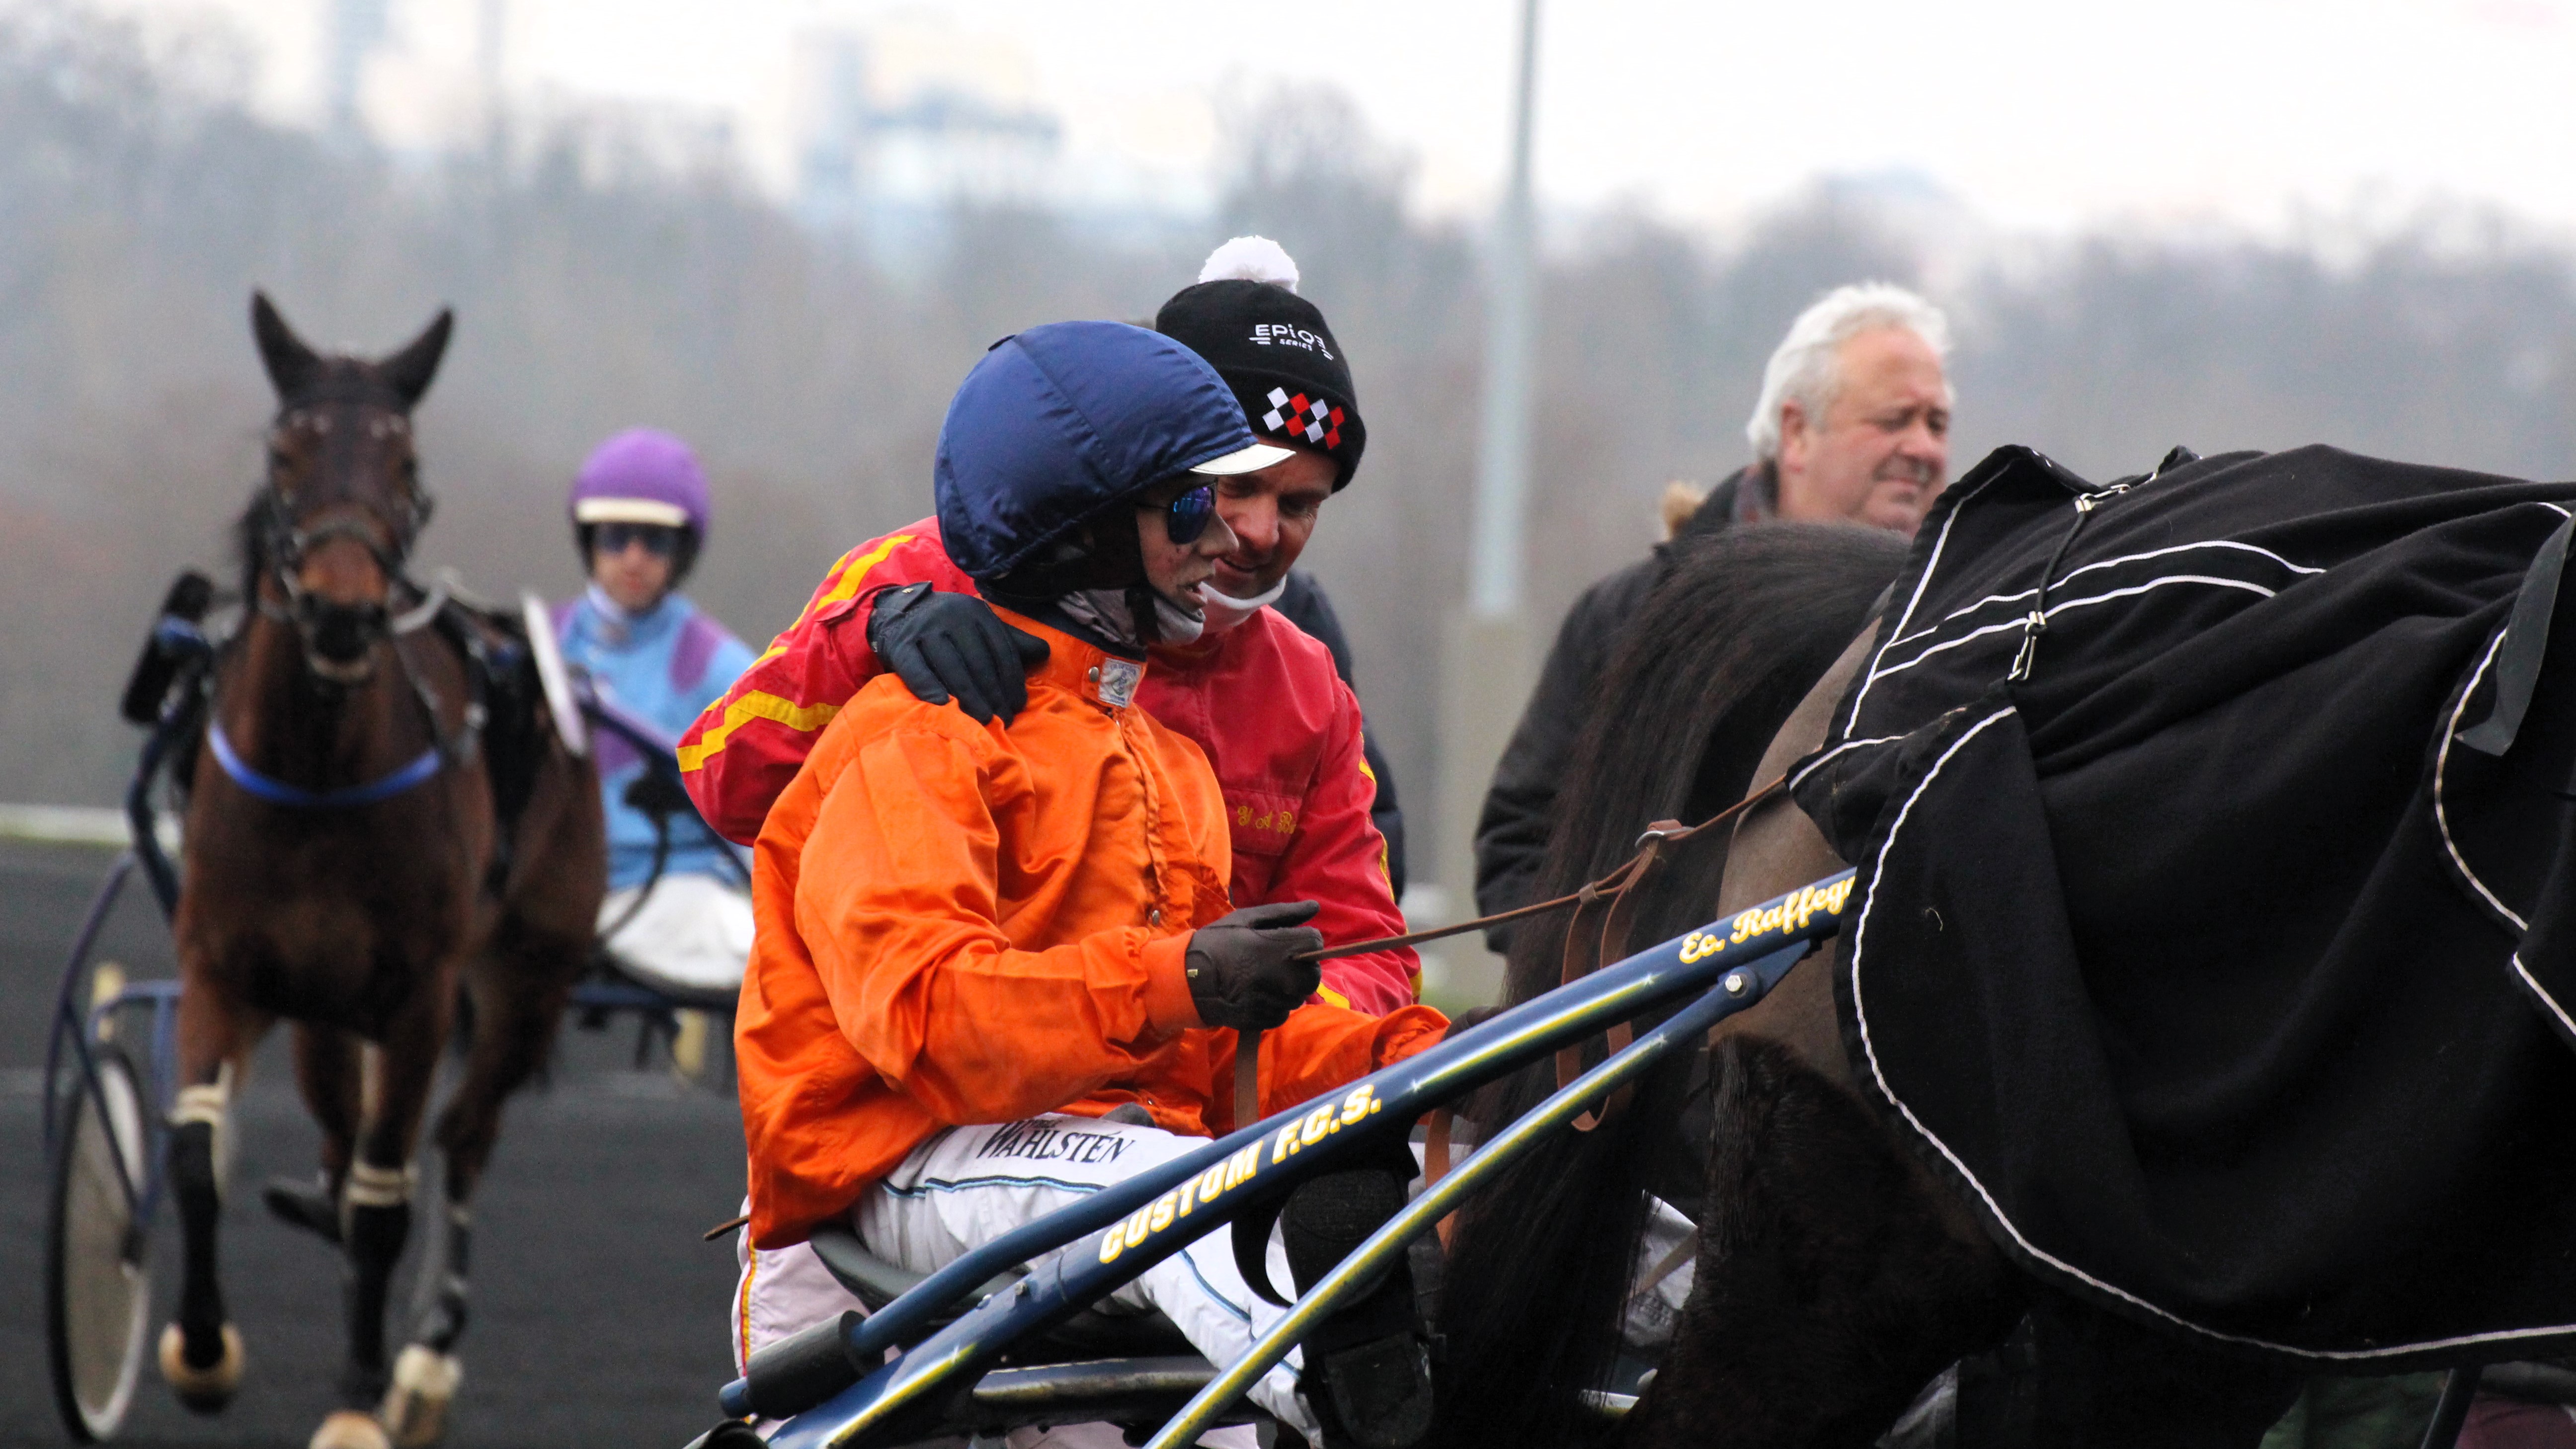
(1311, 420)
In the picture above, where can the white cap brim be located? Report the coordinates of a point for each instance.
(1245, 460)
(630, 510)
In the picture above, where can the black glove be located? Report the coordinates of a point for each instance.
(1240, 974)
(655, 796)
(941, 645)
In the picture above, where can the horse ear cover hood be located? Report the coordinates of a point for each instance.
(1057, 425)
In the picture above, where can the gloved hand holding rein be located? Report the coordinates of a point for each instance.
(953, 645)
(1242, 967)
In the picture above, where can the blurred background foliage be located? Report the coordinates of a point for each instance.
(602, 280)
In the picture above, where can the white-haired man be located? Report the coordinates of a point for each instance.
(1853, 426)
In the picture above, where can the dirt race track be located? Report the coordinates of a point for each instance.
(597, 1312)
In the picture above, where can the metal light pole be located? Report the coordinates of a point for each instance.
(1502, 457)
(1489, 658)
(491, 33)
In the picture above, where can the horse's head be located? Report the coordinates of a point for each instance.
(343, 502)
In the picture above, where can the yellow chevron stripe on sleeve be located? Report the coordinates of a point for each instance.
(1385, 866)
(803, 718)
(856, 575)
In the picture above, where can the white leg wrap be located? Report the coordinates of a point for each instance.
(424, 1370)
(203, 1389)
(415, 1407)
(211, 1104)
(348, 1429)
(200, 1104)
(377, 1187)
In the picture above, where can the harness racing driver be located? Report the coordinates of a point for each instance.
(978, 944)
(681, 921)
(1280, 727)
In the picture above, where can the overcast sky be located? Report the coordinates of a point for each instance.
(2043, 116)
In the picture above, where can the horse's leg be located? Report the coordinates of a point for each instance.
(329, 1068)
(1831, 1284)
(518, 988)
(375, 1203)
(201, 1351)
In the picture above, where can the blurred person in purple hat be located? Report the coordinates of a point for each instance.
(639, 516)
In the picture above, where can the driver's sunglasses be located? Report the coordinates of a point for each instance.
(1186, 517)
(613, 538)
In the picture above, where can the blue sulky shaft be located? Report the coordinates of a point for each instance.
(1738, 989)
(1149, 1217)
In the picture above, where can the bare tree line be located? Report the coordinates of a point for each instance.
(140, 202)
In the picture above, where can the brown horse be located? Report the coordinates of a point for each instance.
(378, 819)
(1540, 1266)
(1841, 1267)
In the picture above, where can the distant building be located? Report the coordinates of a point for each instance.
(352, 31)
(889, 167)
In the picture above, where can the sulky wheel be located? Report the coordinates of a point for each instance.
(98, 1277)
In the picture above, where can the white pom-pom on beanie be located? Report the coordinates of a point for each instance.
(1251, 259)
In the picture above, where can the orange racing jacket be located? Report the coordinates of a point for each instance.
(963, 923)
(1262, 700)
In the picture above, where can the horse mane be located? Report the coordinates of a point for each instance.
(1739, 629)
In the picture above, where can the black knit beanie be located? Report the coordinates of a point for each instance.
(1272, 347)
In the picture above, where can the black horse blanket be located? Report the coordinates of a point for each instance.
(2219, 925)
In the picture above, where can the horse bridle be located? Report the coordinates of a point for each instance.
(284, 547)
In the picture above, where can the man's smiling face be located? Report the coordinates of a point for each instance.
(1272, 514)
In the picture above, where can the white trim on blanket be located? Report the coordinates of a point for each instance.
(1957, 614)
(2441, 814)
(1931, 566)
(1860, 1016)
(2089, 600)
(1818, 762)
(2565, 1023)
(2442, 817)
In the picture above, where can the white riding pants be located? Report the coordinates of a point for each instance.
(969, 1185)
(693, 934)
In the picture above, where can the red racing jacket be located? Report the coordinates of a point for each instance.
(1262, 700)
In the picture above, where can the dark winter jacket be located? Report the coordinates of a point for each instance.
(1520, 809)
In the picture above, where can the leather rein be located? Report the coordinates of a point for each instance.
(1610, 902)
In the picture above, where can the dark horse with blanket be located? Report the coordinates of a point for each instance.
(2200, 1026)
(380, 814)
